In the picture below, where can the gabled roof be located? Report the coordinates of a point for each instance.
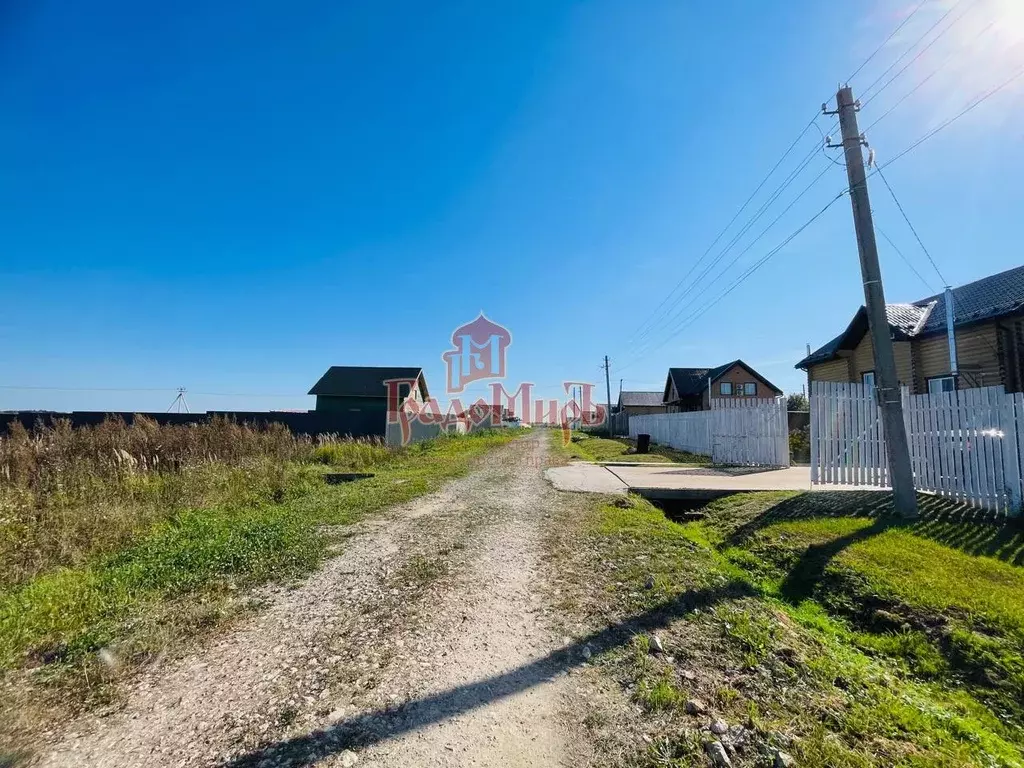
(364, 381)
(640, 399)
(694, 381)
(990, 298)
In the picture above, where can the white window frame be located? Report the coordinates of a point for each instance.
(940, 381)
(750, 389)
(721, 388)
(864, 380)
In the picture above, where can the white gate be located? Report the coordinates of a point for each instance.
(747, 432)
(752, 433)
(964, 445)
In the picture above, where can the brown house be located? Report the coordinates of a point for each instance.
(691, 389)
(988, 320)
(640, 403)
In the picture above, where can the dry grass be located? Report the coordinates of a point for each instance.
(69, 494)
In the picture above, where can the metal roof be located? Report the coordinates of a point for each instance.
(640, 398)
(990, 298)
(363, 381)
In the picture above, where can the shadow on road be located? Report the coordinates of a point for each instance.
(375, 727)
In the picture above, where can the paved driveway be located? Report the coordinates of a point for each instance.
(679, 480)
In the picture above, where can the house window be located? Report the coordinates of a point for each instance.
(941, 384)
(868, 380)
(725, 388)
(750, 389)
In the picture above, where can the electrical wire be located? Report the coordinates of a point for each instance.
(644, 329)
(141, 389)
(920, 53)
(969, 108)
(912, 227)
(905, 259)
(741, 279)
(913, 46)
(680, 312)
(654, 316)
(757, 239)
(669, 316)
(929, 78)
(885, 42)
(924, 248)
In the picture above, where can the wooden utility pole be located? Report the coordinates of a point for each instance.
(888, 388)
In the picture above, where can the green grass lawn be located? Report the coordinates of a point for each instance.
(836, 633)
(587, 448)
(183, 574)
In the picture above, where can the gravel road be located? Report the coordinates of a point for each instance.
(425, 641)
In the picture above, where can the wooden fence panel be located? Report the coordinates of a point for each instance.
(966, 445)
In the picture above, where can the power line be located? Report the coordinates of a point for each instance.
(659, 312)
(912, 228)
(763, 260)
(669, 316)
(971, 107)
(885, 42)
(89, 389)
(912, 47)
(32, 388)
(920, 242)
(654, 316)
(742, 278)
(929, 78)
(748, 248)
(905, 259)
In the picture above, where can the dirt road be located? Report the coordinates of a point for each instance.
(425, 642)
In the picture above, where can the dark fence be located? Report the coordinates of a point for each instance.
(313, 423)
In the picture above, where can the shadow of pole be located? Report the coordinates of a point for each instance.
(809, 570)
(382, 725)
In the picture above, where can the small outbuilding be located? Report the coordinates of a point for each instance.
(364, 389)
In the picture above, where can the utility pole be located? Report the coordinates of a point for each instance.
(608, 393)
(900, 474)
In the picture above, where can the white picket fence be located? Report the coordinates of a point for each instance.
(744, 432)
(682, 431)
(964, 445)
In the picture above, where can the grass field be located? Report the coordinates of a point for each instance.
(188, 536)
(816, 625)
(587, 448)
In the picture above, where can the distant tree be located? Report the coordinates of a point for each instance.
(797, 402)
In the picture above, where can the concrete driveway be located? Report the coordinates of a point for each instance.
(681, 481)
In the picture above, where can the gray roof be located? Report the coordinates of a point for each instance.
(363, 381)
(694, 381)
(640, 398)
(986, 299)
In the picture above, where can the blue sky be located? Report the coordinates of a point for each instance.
(231, 197)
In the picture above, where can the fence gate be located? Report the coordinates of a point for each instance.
(965, 445)
(753, 433)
